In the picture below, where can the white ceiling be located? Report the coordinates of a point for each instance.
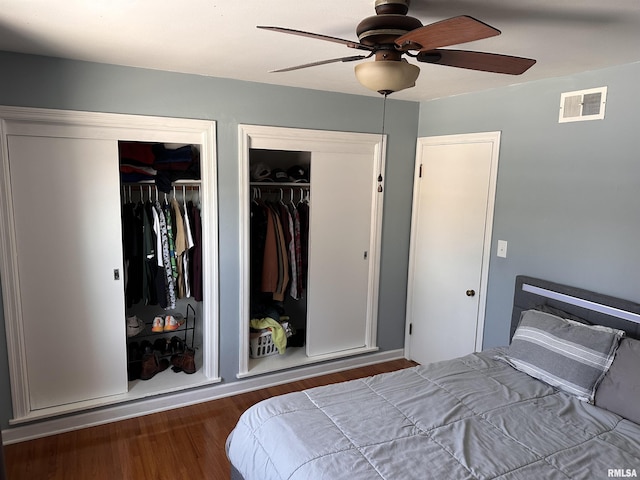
(220, 39)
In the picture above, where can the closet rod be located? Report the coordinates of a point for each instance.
(280, 185)
(194, 184)
(256, 193)
(148, 186)
(280, 189)
(150, 189)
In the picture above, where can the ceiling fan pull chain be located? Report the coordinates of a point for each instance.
(384, 110)
(382, 143)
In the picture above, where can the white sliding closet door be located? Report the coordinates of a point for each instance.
(340, 234)
(67, 220)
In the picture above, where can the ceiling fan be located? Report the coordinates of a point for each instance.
(391, 34)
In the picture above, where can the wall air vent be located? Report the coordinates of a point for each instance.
(583, 105)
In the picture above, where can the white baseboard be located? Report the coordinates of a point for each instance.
(147, 406)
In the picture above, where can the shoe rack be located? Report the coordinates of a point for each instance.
(151, 352)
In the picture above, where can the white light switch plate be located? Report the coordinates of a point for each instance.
(502, 248)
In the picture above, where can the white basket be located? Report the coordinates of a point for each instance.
(261, 344)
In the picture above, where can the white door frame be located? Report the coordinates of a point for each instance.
(483, 137)
(38, 121)
(297, 139)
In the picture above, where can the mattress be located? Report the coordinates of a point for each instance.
(473, 417)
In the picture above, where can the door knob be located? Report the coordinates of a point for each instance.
(471, 293)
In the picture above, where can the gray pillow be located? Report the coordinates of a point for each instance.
(619, 391)
(561, 313)
(570, 356)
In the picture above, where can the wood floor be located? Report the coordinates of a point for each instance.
(185, 443)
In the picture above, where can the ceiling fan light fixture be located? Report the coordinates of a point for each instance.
(386, 77)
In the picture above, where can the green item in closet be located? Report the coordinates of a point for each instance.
(278, 335)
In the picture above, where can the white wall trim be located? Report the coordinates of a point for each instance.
(10, 292)
(244, 145)
(181, 399)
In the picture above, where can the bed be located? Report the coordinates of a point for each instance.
(532, 410)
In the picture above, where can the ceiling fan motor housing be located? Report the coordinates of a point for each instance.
(399, 7)
(385, 28)
(390, 22)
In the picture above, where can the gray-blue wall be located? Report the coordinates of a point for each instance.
(568, 195)
(34, 81)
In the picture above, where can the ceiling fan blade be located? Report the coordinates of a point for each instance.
(322, 62)
(348, 43)
(452, 31)
(486, 62)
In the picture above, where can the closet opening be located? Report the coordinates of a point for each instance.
(280, 206)
(162, 249)
(80, 159)
(332, 180)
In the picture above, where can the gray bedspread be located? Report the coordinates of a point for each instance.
(469, 418)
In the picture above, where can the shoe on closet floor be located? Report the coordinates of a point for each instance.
(151, 365)
(133, 352)
(173, 322)
(184, 362)
(161, 346)
(134, 363)
(176, 345)
(158, 324)
(145, 347)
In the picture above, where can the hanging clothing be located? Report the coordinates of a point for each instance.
(303, 210)
(164, 264)
(152, 276)
(277, 255)
(289, 233)
(132, 251)
(195, 254)
(297, 259)
(172, 246)
(283, 259)
(270, 255)
(158, 278)
(185, 262)
(275, 262)
(180, 244)
(148, 257)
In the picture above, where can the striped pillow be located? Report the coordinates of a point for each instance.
(568, 355)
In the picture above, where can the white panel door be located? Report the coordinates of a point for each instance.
(340, 232)
(451, 226)
(67, 221)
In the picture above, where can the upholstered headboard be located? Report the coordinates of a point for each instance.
(595, 308)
